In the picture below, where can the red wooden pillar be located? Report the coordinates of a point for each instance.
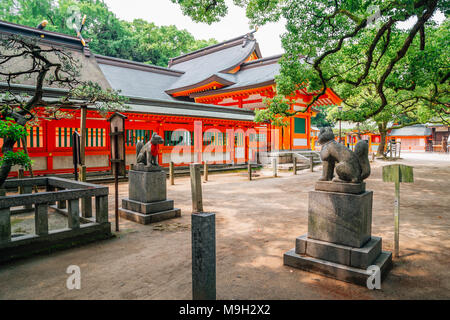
(246, 146)
(198, 141)
(230, 132)
(269, 137)
(160, 131)
(108, 144)
(50, 137)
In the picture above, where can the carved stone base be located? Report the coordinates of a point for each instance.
(147, 193)
(337, 261)
(338, 271)
(342, 187)
(151, 217)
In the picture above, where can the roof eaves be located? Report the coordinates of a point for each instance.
(225, 90)
(58, 93)
(210, 79)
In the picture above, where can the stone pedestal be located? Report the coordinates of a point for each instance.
(339, 243)
(147, 193)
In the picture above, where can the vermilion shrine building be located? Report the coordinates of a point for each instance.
(214, 90)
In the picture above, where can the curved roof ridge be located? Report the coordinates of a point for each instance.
(215, 47)
(273, 59)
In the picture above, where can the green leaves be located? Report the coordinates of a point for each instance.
(15, 158)
(9, 129)
(139, 40)
(207, 11)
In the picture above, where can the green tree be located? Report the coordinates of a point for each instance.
(377, 64)
(156, 45)
(140, 41)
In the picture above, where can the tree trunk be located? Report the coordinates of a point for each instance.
(8, 145)
(383, 134)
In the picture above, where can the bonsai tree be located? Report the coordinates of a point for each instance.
(25, 60)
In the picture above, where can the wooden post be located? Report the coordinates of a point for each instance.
(116, 178)
(171, 172)
(203, 237)
(397, 173)
(205, 170)
(196, 187)
(41, 219)
(311, 163)
(249, 169)
(86, 203)
(101, 209)
(274, 167)
(62, 204)
(30, 168)
(118, 158)
(294, 164)
(83, 134)
(73, 213)
(397, 219)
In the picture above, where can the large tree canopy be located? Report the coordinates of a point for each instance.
(139, 40)
(381, 57)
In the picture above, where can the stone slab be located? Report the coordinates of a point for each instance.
(335, 270)
(147, 186)
(342, 187)
(340, 218)
(364, 257)
(149, 218)
(354, 257)
(323, 250)
(145, 168)
(146, 208)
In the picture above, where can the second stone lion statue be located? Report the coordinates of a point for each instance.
(352, 166)
(148, 154)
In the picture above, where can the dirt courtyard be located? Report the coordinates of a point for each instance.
(256, 222)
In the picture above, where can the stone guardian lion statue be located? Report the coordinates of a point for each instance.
(148, 154)
(352, 166)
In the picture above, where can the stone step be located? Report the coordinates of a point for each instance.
(338, 271)
(151, 217)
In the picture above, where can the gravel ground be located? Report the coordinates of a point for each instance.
(256, 222)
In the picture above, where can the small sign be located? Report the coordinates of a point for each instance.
(398, 173)
(117, 122)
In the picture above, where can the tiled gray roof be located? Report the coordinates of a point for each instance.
(259, 74)
(417, 130)
(138, 83)
(207, 65)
